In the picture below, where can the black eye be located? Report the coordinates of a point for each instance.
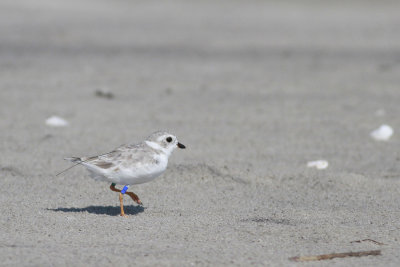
(169, 139)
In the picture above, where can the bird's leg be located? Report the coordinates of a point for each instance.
(131, 194)
(121, 203)
(112, 187)
(121, 197)
(134, 197)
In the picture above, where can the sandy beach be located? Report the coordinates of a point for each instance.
(254, 89)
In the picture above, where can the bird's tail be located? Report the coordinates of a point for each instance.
(75, 160)
(82, 160)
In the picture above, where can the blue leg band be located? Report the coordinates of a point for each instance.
(123, 191)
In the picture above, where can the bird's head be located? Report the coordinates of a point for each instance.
(164, 142)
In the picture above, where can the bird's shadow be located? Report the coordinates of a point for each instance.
(107, 210)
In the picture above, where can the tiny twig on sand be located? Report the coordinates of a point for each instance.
(370, 240)
(336, 255)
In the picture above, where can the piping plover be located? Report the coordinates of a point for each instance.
(132, 164)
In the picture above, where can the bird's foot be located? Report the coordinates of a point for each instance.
(134, 197)
(123, 215)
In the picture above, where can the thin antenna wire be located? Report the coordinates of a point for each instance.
(83, 161)
(68, 168)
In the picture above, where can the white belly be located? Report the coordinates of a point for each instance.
(129, 177)
(139, 174)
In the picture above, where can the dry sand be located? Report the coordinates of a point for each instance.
(255, 90)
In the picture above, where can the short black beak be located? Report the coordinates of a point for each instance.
(181, 146)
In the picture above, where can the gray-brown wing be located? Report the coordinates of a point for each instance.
(125, 156)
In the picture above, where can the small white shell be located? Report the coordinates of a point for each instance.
(319, 164)
(383, 133)
(55, 121)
